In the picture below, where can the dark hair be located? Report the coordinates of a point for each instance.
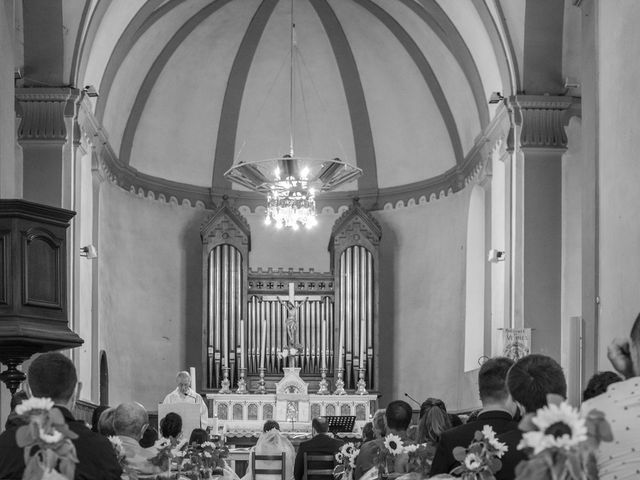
(198, 436)
(52, 375)
(532, 377)
(95, 417)
(171, 425)
(320, 425)
(455, 420)
(398, 415)
(431, 402)
(598, 384)
(270, 425)
(434, 421)
(17, 398)
(367, 432)
(492, 379)
(149, 437)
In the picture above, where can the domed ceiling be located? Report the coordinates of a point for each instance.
(399, 88)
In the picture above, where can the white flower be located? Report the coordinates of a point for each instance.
(559, 426)
(472, 461)
(207, 454)
(501, 448)
(284, 353)
(116, 442)
(339, 457)
(34, 403)
(410, 448)
(53, 437)
(488, 433)
(394, 444)
(293, 351)
(178, 453)
(347, 449)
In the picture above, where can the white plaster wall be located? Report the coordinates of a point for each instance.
(150, 294)
(619, 76)
(422, 261)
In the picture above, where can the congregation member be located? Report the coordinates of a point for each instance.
(105, 422)
(620, 459)
(130, 421)
(497, 411)
(185, 394)
(379, 423)
(367, 432)
(95, 417)
(322, 442)
(52, 375)
(13, 420)
(529, 381)
(198, 436)
(272, 442)
(599, 383)
(149, 438)
(171, 426)
(398, 418)
(434, 420)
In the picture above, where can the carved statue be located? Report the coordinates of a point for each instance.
(292, 318)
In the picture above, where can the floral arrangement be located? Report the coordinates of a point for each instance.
(399, 458)
(118, 448)
(481, 460)
(290, 351)
(561, 443)
(346, 459)
(45, 428)
(197, 462)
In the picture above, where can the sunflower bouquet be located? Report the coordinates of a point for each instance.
(481, 460)
(561, 442)
(45, 428)
(346, 462)
(198, 461)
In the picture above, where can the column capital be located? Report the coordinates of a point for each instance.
(541, 120)
(42, 112)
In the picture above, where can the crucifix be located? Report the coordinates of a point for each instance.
(293, 308)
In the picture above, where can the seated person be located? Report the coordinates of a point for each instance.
(13, 419)
(198, 436)
(171, 426)
(272, 442)
(95, 417)
(367, 432)
(105, 422)
(130, 421)
(321, 443)
(598, 384)
(149, 438)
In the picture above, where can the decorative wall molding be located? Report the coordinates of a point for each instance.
(226, 225)
(276, 281)
(42, 112)
(542, 120)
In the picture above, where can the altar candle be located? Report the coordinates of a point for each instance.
(363, 341)
(323, 343)
(242, 346)
(341, 345)
(192, 374)
(263, 343)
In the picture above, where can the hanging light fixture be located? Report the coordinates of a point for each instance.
(290, 183)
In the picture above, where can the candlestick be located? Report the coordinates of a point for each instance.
(340, 384)
(261, 387)
(323, 385)
(242, 384)
(263, 343)
(361, 383)
(225, 384)
(242, 345)
(192, 374)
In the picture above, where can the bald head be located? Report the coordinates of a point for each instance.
(130, 420)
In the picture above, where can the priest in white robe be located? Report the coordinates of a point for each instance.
(185, 394)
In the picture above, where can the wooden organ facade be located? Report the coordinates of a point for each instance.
(241, 305)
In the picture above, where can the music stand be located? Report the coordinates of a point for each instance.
(341, 423)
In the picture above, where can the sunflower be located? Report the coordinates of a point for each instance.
(559, 426)
(394, 444)
(473, 462)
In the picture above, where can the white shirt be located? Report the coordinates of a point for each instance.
(191, 397)
(619, 459)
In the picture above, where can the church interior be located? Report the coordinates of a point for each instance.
(497, 192)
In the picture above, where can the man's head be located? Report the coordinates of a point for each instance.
(270, 425)
(492, 383)
(398, 415)
(53, 375)
(130, 420)
(320, 425)
(532, 377)
(183, 379)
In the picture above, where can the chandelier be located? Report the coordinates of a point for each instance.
(291, 183)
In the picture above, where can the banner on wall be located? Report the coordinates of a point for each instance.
(516, 342)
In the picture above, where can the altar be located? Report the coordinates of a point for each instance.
(292, 406)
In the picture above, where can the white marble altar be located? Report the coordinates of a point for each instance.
(291, 405)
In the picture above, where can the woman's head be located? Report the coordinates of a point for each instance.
(198, 436)
(105, 422)
(270, 425)
(379, 423)
(171, 425)
(433, 422)
(367, 432)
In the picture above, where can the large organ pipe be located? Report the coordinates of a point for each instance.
(357, 311)
(370, 365)
(231, 292)
(364, 318)
(341, 313)
(212, 375)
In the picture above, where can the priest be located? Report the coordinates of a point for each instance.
(185, 394)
